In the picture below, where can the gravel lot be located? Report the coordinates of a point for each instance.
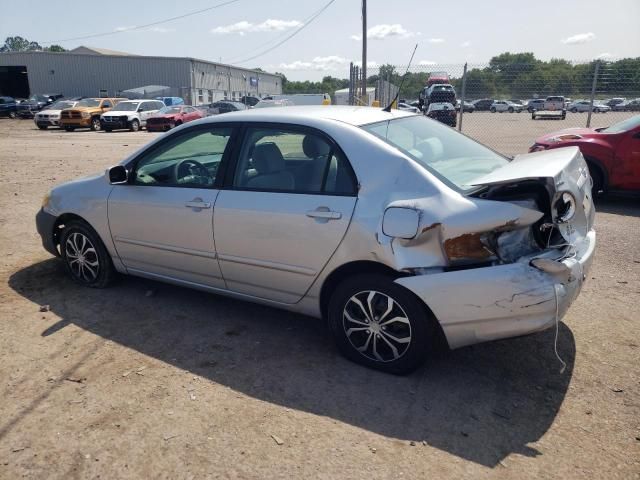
(146, 380)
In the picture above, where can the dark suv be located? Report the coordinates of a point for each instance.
(8, 107)
(438, 93)
(36, 102)
(483, 105)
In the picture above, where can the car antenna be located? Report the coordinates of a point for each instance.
(388, 107)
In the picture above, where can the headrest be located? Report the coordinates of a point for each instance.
(314, 147)
(267, 158)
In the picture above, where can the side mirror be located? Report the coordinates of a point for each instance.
(118, 175)
(400, 222)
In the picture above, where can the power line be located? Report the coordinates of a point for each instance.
(113, 32)
(295, 32)
(265, 44)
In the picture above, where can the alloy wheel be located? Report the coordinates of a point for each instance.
(82, 258)
(376, 326)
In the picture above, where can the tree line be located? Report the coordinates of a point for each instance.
(19, 44)
(508, 75)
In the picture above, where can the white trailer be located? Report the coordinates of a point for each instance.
(341, 97)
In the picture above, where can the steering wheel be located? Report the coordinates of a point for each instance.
(191, 171)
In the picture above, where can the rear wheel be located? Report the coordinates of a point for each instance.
(85, 256)
(379, 324)
(510, 109)
(107, 129)
(492, 109)
(134, 126)
(574, 110)
(69, 128)
(95, 124)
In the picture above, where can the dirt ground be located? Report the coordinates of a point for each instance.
(147, 380)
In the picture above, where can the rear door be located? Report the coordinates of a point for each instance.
(285, 210)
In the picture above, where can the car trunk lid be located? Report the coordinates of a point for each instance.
(565, 177)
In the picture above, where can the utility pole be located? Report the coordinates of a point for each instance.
(364, 49)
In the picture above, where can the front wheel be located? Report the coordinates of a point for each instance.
(492, 110)
(85, 256)
(42, 127)
(68, 128)
(134, 126)
(574, 110)
(13, 115)
(510, 109)
(379, 324)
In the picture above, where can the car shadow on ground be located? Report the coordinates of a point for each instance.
(619, 205)
(480, 403)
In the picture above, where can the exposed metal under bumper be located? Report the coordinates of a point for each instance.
(503, 301)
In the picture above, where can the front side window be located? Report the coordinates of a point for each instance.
(188, 160)
(274, 159)
(449, 155)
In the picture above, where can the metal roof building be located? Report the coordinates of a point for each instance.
(88, 72)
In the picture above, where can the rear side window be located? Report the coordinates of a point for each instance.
(282, 160)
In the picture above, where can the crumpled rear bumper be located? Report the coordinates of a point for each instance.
(490, 303)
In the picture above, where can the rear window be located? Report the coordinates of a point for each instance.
(453, 158)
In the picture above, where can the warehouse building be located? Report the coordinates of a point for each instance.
(91, 72)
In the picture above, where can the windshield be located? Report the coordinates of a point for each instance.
(127, 106)
(166, 110)
(449, 155)
(61, 105)
(88, 102)
(623, 126)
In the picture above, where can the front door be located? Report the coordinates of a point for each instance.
(162, 220)
(284, 215)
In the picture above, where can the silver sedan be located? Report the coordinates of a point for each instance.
(402, 233)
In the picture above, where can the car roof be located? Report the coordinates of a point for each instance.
(294, 114)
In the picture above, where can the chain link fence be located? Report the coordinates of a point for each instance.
(496, 102)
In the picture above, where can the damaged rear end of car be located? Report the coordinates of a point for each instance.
(504, 256)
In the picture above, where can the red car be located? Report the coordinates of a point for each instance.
(612, 153)
(172, 116)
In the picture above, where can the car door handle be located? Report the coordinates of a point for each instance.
(325, 213)
(197, 203)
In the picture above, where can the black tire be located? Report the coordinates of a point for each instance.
(420, 324)
(84, 271)
(134, 126)
(510, 110)
(68, 128)
(42, 127)
(108, 130)
(492, 109)
(96, 126)
(598, 180)
(13, 115)
(574, 110)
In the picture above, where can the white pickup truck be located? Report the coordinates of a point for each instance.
(553, 108)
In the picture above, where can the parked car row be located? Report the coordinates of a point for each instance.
(110, 114)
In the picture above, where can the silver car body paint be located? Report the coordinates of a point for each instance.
(251, 257)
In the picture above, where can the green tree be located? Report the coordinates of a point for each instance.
(19, 44)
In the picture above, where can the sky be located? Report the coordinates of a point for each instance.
(446, 32)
